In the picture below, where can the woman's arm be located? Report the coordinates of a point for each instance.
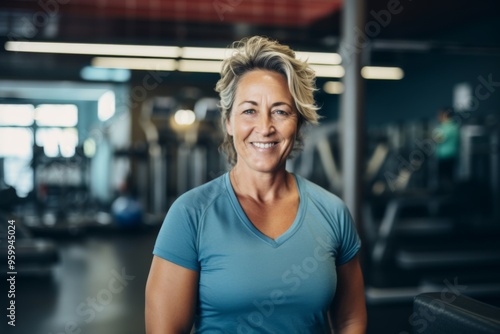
(348, 311)
(171, 293)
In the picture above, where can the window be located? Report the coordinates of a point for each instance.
(51, 126)
(57, 141)
(16, 114)
(56, 115)
(16, 148)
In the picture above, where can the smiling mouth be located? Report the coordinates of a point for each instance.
(264, 145)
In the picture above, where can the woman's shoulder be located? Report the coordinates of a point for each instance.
(319, 194)
(205, 193)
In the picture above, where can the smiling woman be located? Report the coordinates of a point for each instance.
(264, 122)
(259, 249)
(262, 54)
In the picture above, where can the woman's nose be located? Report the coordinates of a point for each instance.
(265, 125)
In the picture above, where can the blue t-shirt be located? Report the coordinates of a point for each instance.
(250, 283)
(448, 135)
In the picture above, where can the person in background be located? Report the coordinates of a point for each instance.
(447, 137)
(258, 249)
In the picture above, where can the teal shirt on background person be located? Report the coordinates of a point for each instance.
(250, 283)
(448, 140)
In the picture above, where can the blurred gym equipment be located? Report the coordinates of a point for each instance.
(418, 236)
(33, 256)
(447, 312)
(180, 150)
(60, 201)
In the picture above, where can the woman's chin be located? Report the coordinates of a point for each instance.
(267, 166)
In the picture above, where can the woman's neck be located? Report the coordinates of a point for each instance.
(259, 186)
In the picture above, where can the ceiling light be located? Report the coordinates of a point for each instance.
(382, 73)
(147, 64)
(333, 87)
(209, 66)
(155, 51)
(206, 53)
(323, 58)
(328, 71)
(184, 117)
(94, 49)
(195, 59)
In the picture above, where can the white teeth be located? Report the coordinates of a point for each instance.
(264, 145)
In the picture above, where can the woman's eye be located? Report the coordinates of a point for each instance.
(280, 112)
(249, 111)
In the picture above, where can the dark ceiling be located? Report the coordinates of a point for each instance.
(420, 25)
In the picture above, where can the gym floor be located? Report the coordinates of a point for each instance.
(98, 288)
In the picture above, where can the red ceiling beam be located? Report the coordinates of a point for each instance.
(291, 13)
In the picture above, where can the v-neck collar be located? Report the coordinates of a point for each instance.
(297, 222)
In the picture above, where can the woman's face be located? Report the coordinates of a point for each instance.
(263, 121)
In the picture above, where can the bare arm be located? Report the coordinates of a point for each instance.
(348, 311)
(171, 293)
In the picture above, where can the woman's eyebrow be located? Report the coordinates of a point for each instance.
(275, 104)
(250, 102)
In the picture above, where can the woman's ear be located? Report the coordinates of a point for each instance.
(229, 128)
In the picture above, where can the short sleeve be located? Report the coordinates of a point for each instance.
(350, 241)
(176, 240)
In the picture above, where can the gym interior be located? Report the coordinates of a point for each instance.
(108, 113)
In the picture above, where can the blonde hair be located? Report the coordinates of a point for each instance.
(261, 53)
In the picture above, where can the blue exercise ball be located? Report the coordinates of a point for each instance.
(127, 211)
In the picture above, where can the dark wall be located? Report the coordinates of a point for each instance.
(428, 85)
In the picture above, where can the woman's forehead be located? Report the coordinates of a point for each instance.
(258, 83)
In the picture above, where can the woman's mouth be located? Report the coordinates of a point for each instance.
(264, 145)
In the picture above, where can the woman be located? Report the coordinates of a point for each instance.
(258, 250)
(447, 137)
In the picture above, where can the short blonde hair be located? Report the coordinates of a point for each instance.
(261, 53)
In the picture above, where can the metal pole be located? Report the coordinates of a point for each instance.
(353, 43)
